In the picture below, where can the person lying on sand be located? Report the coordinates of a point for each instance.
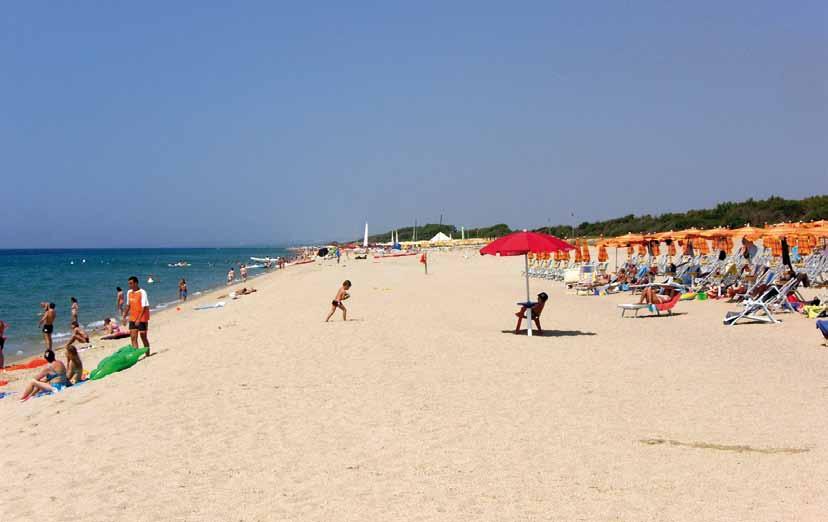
(243, 291)
(341, 295)
(537, 309)
(51, 379)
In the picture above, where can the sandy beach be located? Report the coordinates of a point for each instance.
(424, 406)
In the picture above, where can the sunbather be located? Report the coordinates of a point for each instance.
(537, 309)
(650, 295)
(52, 378)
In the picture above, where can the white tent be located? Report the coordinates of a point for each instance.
(440, 237)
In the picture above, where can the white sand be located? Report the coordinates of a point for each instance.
(420, 408)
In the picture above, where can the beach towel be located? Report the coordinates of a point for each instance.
(814, 311)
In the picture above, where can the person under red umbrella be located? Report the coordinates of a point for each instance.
(522, 243)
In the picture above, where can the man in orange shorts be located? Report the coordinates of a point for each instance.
(139, 314)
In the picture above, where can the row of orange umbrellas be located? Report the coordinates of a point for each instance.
(722, 237)
(805, 236)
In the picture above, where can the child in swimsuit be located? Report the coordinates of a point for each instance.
(341, 295)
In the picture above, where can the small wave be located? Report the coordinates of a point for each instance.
(96, 324)
(61, 335)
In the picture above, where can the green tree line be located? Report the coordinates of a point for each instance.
(727, 214)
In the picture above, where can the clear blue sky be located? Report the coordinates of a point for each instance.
(176, 123)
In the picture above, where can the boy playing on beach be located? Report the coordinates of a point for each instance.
(341, 295)
(47, 323)
(139, 314)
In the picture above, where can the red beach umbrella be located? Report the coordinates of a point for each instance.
(521, 244)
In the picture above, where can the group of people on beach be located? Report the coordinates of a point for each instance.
(134, 311)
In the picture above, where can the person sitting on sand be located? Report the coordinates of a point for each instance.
(537, 309)
(78, 335)
(51, 379)
(74, 364)
(111, 326)
(341, 295)
(650, 295)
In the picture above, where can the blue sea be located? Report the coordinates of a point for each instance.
(29, 277)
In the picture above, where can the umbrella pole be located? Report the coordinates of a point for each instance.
(528, 301)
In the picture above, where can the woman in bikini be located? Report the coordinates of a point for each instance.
(51, 379)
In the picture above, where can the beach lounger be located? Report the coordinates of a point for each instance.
(759, 310)
(655, 308)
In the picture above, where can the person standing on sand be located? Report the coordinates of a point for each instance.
(341, 295)
(47, 323)
(120, 299)
(243, 273)
(75, 309)
(3, 327)
(231, 276)
(139, 314)
(182, 290)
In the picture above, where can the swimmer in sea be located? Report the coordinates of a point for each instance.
(341, 295)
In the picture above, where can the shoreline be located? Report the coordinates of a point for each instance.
(58, 344)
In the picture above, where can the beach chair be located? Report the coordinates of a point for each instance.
(586, 277)
(759, 310)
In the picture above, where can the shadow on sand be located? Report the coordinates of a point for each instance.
(662, 316)
(551, 333)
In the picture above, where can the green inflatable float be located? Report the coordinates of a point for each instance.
(120, 360)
